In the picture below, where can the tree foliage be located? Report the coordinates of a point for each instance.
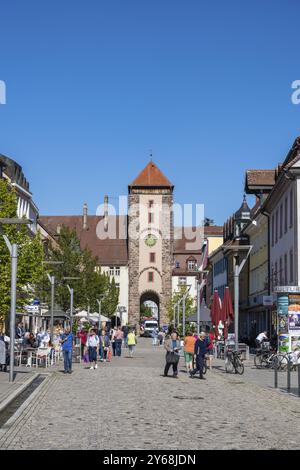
(190, 309)
(78, 262)
(30, 255)
(145, 311)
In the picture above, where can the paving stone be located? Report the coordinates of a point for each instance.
(127, 404)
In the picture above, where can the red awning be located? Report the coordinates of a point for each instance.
(227, 315)
(215, 312)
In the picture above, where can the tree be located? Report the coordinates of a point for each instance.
(208, 222)
(30, 255)
(79, 263)
(190, 309)
(145, 311)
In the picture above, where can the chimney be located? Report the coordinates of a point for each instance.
(105, 213)
(85, 213)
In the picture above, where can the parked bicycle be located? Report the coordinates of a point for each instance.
(234, 362)
(264, 358)
(291, 359)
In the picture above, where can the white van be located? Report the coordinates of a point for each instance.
(149, 326)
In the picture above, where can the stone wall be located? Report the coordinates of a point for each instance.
(133, 264)
(167, 257)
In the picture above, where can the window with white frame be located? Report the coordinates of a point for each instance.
(191, 264)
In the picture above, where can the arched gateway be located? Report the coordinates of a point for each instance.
(150, 241)
(150, 299)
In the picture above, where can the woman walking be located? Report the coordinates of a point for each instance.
(118, 340)
(131, 342)
(113, 340)
(210, 347)
(92, 344)
(189, 347)
(172, 347)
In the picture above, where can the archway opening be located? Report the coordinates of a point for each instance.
(149, 306)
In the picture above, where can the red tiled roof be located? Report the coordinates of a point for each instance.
(110, 251)
(260, 177)
(151, 176)
(213, 230)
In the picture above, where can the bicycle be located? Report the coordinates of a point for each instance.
(264, 357)
(290, 358)
(234, 362)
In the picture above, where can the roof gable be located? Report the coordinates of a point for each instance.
(151, 176)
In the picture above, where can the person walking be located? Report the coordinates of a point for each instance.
(172, 347)
(210, 338)
(200, 350)
(93, 347)
(67, 349)
(118, 340)
(161, 337)
(104, 345)
(113, 340)
(82, 335)
(131, 342)
(154, 335)
(189, 347)
(126, 330)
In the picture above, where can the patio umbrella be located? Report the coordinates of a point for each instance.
(227, 311)
(215, 312)
(82, 314)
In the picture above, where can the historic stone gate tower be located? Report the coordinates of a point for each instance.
(150, 242)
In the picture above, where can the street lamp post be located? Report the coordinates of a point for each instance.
(99, 303)
(71, 290)
(183, 310)
(174, 315)
(14, 264)
(198, 307)
(52, 282)
(121, 310)
(13, 250)
(238, 266)
(88, 310)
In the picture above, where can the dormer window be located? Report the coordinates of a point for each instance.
(191, 264)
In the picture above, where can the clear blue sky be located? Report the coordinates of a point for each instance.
(93, 85)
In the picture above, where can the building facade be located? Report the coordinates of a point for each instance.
(13, 173)
(148, 257)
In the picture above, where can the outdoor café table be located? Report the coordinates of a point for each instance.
(43, 352)
(29, 355)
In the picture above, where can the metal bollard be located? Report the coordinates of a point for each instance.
(276, 375)
(289, 376)
(298, 380)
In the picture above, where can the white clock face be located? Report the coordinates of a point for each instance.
(150, 240)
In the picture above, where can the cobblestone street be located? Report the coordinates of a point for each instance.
(128, 404)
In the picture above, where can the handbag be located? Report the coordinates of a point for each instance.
(172, 358)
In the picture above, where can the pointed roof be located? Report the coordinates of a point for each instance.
(244, 210)
(151, 176)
